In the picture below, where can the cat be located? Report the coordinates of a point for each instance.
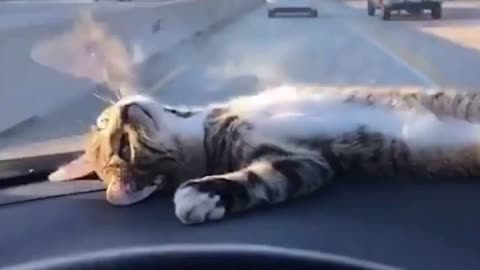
(275, 146)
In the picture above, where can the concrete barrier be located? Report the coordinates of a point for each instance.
(28, 89)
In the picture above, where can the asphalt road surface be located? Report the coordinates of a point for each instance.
(21, 13)
(15, 14)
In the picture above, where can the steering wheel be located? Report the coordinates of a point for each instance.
(204, 256)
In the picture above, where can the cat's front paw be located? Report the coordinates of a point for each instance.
(193, 204)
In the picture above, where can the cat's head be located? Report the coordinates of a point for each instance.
(131, 150)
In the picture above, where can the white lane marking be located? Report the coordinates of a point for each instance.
(425, 79)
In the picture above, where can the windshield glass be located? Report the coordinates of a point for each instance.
(55, 67)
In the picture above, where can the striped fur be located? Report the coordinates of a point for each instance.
(281, 144)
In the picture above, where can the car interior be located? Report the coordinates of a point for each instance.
(355, 223)
(352, 224)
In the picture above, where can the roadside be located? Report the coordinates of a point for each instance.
(446, 51)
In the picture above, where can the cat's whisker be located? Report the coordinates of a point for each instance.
(104, 99)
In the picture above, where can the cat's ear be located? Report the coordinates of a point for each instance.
(138, 115)
(74, 169)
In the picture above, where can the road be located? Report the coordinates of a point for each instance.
(342, 47)
(16, 14)
(22, 13)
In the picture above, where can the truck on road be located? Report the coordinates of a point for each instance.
(415, 7)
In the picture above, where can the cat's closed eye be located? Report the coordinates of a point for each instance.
(102, 123)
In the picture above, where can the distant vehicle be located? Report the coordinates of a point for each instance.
(415, 7)
(281, 6)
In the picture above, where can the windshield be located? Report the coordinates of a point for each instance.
(64, 62)
(178, 55)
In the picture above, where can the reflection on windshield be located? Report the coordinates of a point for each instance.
(75, 46)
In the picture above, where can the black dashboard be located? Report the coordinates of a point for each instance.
(410, 223)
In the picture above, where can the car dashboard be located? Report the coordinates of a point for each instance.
(406, 223)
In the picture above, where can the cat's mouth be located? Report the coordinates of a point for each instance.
(124, 193)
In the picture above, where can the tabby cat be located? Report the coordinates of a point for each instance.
(275, 146)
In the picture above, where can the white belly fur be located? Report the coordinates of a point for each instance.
(281, 113)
